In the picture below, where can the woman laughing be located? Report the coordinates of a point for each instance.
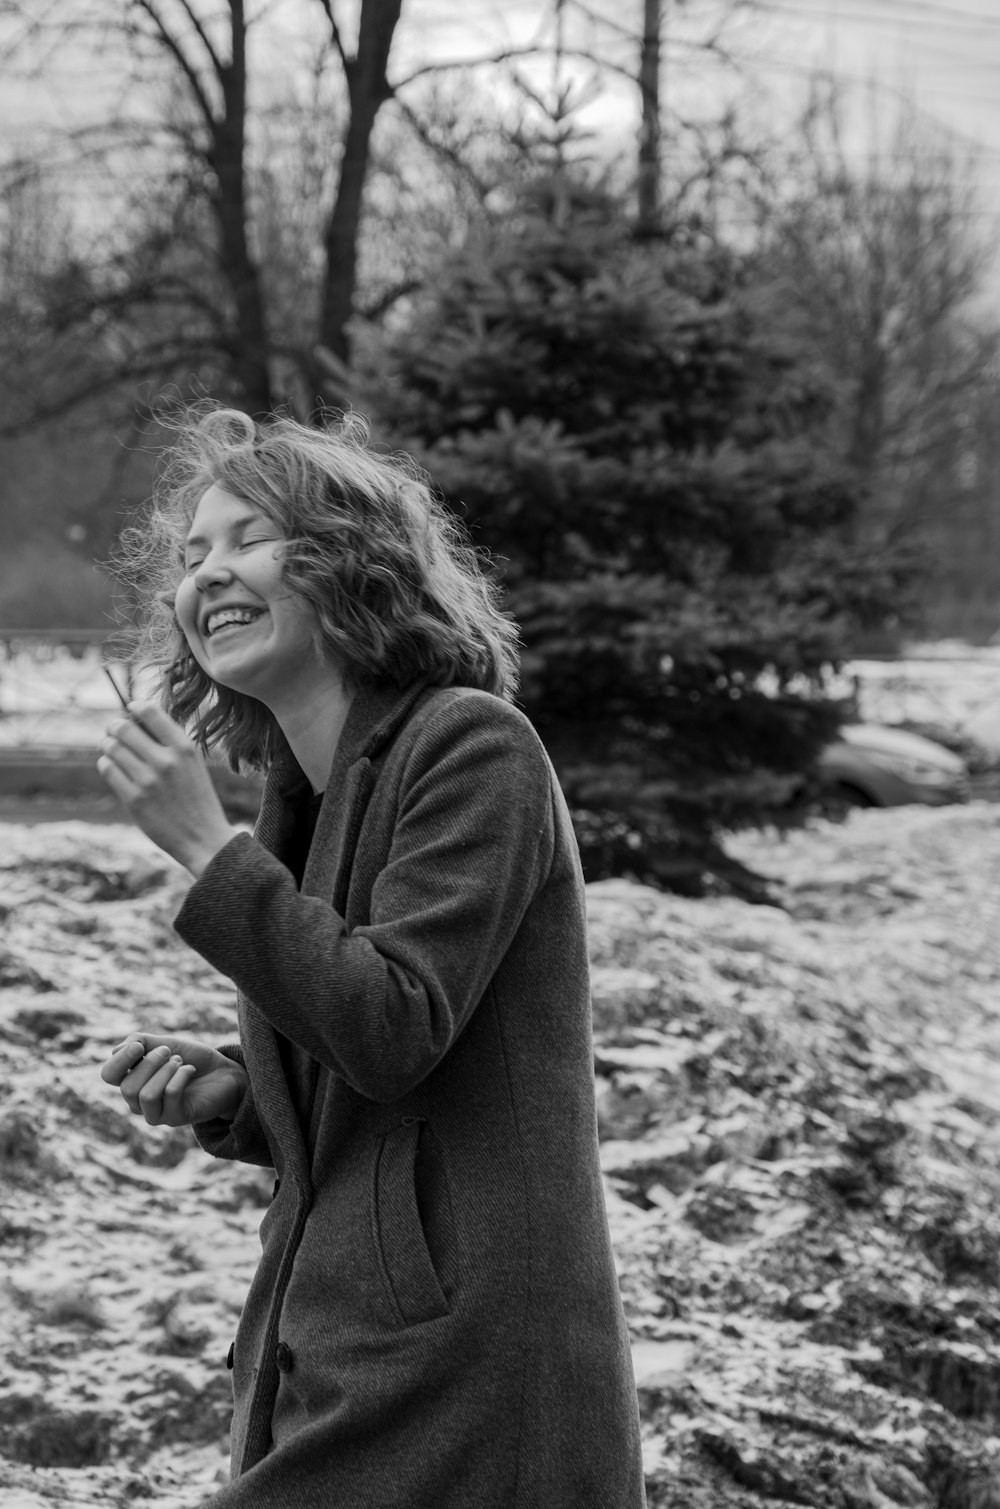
(435, 1320)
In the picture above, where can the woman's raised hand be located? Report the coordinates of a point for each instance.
(174, 1082)
(161, 778)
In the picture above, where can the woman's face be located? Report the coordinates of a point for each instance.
(244, 627)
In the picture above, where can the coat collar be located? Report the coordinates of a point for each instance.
(374, 715)
(372, 718)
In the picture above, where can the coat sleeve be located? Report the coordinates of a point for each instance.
(380, 1005)
(243, 1138)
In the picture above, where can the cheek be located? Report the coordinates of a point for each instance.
(186, 608)
(302, 623)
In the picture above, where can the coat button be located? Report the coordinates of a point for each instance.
(231, 1355)
(283, 1356)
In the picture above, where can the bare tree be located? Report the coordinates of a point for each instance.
(182, 280)
(368, 88)
(190, 185)
(202, 63)
(650, 165)
(878, 259)
(646, 44)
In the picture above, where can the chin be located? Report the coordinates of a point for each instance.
(236, 679)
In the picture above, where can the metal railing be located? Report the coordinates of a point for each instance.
(55, 706)
(54, 695)
(53, 692)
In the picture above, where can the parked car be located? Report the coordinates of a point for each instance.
(872, 765)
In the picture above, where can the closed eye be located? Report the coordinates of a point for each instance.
(191, 563)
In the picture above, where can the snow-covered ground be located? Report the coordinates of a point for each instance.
(800, 1121)
(947, 685)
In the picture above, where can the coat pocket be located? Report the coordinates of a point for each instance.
(414, 1225)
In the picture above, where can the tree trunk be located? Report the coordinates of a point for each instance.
(368, 89)
(228, 158)
(650, 132)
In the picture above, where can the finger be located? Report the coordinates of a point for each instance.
(173, 1095)
(146, 1041)
(135, 769)
(126, 743)
(122, 1061)
(112, 776)
(128, 734)
(135, 1081)
(158, 724)
(151, 1094)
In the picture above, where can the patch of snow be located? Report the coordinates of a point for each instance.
(800, 1130)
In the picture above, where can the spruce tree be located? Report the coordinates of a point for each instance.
(651, 464)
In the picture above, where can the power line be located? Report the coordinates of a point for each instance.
(938, 16)
(984, 63)
(770, 62)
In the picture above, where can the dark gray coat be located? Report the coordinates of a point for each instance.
(435, 1322)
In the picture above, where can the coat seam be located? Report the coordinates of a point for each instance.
(526, 1325)
(266, 1352)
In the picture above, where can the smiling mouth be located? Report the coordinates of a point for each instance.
(230, 618)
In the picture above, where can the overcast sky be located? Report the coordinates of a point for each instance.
(945, 57)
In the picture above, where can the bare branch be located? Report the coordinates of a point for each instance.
(156, 361)
(172, 45)
(449, 153)
(338, 40)
(497, 57)
(374, 311)
(206, 40)
(628, 32)
(710, 43)
(530, 92)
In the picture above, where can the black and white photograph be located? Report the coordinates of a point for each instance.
(499, 754)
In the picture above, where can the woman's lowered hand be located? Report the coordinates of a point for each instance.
(160, 776)
(174, 1082)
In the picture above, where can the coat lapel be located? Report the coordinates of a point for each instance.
(258, 1039)
(374, 716)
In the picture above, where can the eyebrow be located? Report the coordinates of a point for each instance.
(234, 528)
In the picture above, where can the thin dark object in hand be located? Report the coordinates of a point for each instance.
(118, 691)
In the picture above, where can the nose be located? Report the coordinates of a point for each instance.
(212, 571)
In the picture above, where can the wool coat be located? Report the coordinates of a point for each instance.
(435, 1322)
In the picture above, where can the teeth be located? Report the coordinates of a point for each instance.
(230, 616)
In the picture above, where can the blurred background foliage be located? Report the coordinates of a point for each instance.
(723, 426)
(659, 471)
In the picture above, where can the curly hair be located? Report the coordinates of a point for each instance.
(398, 592)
